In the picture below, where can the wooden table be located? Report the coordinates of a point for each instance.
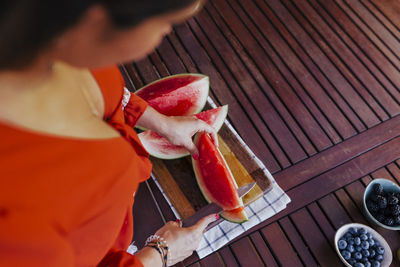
(313, 87)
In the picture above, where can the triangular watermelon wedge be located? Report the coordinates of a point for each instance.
(177, 95)
(159, 147)
(213, 175)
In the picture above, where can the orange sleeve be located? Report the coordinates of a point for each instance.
(120, 259)
(134, 109)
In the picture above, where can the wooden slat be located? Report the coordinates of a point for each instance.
(383, 19)
(227, 256)
(308, 89)
(334, 211)
(145, 210)
(381, 65)
(313, 236)
(249, 87)
(339, 154)
(212, 260)
(298, 110)
(323, 222)
(246, 253)
(280, 246)
(343, 81)
(262, 249)
(302, 249)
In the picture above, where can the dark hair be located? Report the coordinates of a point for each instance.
(28, 26)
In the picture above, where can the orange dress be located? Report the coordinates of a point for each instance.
(68, 201)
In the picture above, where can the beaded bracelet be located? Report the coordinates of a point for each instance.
(159, 244)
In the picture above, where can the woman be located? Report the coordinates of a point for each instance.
(69, 157)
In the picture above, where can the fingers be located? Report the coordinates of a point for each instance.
(201, 225)
(192, 149)
(211, 131)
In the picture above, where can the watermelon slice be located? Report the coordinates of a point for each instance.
(177, 95)
(158, 146)
(236, 216)
(215, 179)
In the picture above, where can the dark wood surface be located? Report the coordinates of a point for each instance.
(313, 87)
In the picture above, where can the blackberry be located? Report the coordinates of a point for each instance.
(374, 197)
(372, 206)
(395, 210)
(388, 221)
(387, 212)
(382, 202)
(380, 217)
(397, 219)
(392, 200)
(377, 189)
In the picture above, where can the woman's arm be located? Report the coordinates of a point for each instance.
(177, 129)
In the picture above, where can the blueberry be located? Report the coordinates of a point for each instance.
(350, 241)
(357, 241)
(367, 264)
(371, 242)
(358, 255)
(352, 230)
(377, 244)
(346, 255)
(369, 235)
(362, 231)
(352, 262)
(372, 253)
(364, 244)
(363, 237)
(358, 248)
(365, 253)
(379, 258)
(350, 248)
(348, 235)
(342, 244)
(380, 250)
(359, 264)
(363, 260)
(376, 264)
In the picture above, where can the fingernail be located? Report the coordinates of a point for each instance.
(217, 216)
(196, 157)
(177, 220)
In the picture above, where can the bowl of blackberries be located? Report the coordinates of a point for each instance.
(361, 246)
(382, 203)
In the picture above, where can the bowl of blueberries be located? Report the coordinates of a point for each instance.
(382, 203)
(361, 246)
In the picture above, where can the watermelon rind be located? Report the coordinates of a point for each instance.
(203, 83)
(146, 139)
(152, 145)
(203, 189)
(237, 217)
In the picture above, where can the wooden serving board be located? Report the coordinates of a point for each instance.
(178, 181)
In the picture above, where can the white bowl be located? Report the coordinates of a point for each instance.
(388, 186)
(387, 256)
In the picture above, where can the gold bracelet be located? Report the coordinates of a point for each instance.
(159, 244)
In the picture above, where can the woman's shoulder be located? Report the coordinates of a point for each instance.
(111, 84)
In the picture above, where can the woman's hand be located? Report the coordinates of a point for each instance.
(182, 241)
(179, 130)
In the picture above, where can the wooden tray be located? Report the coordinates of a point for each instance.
(177, 179)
